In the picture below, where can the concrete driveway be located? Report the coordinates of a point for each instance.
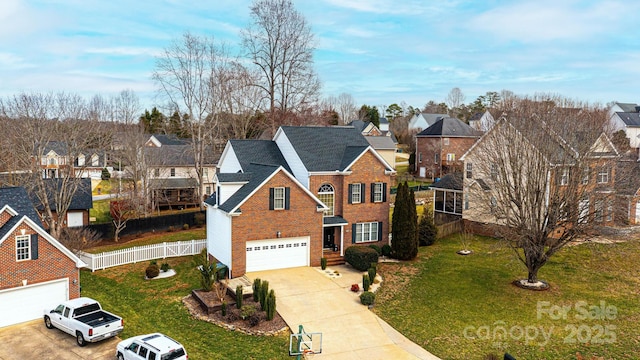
(307, 297)
(32, 340)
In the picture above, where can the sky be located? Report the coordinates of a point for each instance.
(379, 51)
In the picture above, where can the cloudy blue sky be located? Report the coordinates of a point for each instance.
(379, 51)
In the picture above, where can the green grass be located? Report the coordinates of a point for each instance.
(183, 235)
(156, 305)
(433, 299)
(100, 211)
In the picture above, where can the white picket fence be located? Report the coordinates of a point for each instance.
(142, 253)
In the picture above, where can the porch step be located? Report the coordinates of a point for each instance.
(333, 258)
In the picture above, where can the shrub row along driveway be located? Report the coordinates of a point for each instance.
(32, 340)
(307, 297)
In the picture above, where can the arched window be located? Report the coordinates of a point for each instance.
(326, 195)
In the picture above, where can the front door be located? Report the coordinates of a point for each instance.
(329, 238)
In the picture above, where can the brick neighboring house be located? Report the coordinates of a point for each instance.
(81, 202)
(309, 193)
(36, 271)
(440, 146)
(561, 159)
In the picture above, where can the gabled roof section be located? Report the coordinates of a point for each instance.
(326, 148)
(358, 124)
(82, 199)
(628, 107)
(259, 175)
(630, 118)
(176, 155)
(59, 147)
(603, 148)
(264, 152)
(381, 142)
(449, 127)
(168, 139)
(17, 199)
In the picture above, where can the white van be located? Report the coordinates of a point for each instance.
(150, 347)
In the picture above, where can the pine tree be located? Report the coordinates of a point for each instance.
(427, 230)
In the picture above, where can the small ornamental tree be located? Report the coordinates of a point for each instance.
(404, 245)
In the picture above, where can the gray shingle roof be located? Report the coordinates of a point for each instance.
(326, 148)
(358, 124)
(18, 200)
(233, 177)
(82, 199)
(628, 107)
(451, 181)
(170, 139)
(381, 142)
(176, 155)
(630, 118)
(449, 127)
(264, 152)
(258, 174)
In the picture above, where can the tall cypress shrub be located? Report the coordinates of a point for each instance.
(404, 242)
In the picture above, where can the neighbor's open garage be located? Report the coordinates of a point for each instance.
(277, 253)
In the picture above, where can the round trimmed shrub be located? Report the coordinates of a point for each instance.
(152, 271)
(376, 248)
(360, 257)
(386, 250)
(367, 298)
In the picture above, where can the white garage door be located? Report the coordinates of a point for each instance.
(74, 219)
(277, 253)
(27, 303)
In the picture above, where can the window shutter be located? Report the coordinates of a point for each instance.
(287, 195)
(350, 193)
(34, 246)
(384, 192)
(270, 198)
(362, 188)
(373, 192)
(380, 231)
(218, 196)
(353, 233)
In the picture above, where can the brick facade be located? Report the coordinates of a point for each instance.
(428, 147)
(51, 264)
(257, 222)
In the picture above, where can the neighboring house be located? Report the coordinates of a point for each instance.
(172, 172)
(309, 193)
(482, 121)
(36, 271)
(440, 146)
(628, 191)
(421, 121)
(559, 154)
(630, 123)
(56, 162)
(81, 202)
(447, 198)
(385, 146)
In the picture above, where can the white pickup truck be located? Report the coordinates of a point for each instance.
(84, 318)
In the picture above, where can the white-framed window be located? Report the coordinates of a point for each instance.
(564, 177)
(23, 247)
(173, 172)
(419, 157)
(603, 175)
(469, 170)
(445, 141)
(95, 160)
(378, 189)
(356, 193)
(326, 194)
(205, 172)
(81, 160)
(366, 232)
(278, 198)
(494, 171)
(585, 176)
(451, 157)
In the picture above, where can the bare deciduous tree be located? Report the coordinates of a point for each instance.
(455, 98)
(190, 75)
(45, 123)
(346, 107)
(78, 239)
(544, 175)
(280, 43)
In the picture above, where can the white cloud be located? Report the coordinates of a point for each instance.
(391, 7)
(10, 61)
(125, 51)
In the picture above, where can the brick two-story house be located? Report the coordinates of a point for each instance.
(309, 193)
(36, 271)
(440, 146)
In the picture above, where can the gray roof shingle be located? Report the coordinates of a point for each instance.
(451, 181)
(449, 127)
(82, 199)
(326, 148)
(264, 152)
(18, 200)
(630, 118)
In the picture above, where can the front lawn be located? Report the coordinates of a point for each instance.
(465, 307)
(156, 305)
